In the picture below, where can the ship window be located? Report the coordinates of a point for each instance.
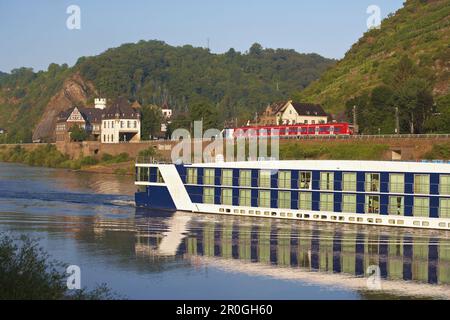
(209, 176)
(264, 199)
(326, 202)
(397, 183)
(444, 185)
(444, 208)
(372, 204)
(372, 182)
(326, 180)
(305, 200)
(264, 178)
(284, 179)
(143, 174)
(422, 183)
(349, 181)
(245, 198)
(227, 177)
(349, 203)
(421, 207)
(191, 176)
(159, 178)
(245, 178)
(208, 195)
(284, 199)
(227, 197)
(396, 206)
(305, 180)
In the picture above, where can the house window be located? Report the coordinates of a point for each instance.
(135, 124)
(326, 180)
(245, 178)
(326, 202)
(264, 199)
(121, 123)
(349, 181)
(208, 195)
(444, 209)
(284, 199)
(305, 180)
(112, 124)
(305, 201)
(104, 138)
(372, 182)
(349, 203)
(209, 176)
(444, 185)
(421, 207)
(372, 204)
(397, 183)
(191, 176)
(227, 177)
(396, 206)
(128, 124)
(264, 178)
(227, 197)
(104, 124)
(422, 183)
(245, 199)
(284, 179)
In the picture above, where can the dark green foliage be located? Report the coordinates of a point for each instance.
(363, 151)
(26, 272)
(418, 30)
(439, 152)
(150, 121)
(153, 72)
(232, 84)
(78, 134)
(150, 152)
(403, 89)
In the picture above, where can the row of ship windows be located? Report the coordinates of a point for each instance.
(396, 206)
(349, 180)
(323, 217)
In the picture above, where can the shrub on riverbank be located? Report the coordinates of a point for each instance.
(295, 151)
(26, 272)
(49, 156)
(440, 151)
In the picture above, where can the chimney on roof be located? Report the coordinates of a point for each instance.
(100, 103)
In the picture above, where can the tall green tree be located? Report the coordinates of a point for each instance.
(150, 121)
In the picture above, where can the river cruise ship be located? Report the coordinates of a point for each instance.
(385, 193)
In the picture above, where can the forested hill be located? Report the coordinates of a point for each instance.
(420, 32)
(232, 84)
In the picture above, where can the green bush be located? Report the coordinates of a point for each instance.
(26, 272)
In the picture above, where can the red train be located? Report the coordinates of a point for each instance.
(326, 129)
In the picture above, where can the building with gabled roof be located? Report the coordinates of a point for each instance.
(120, 123)
(290, 112)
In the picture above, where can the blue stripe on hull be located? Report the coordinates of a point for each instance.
(156, 197)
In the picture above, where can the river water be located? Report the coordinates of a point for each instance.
(90, 220)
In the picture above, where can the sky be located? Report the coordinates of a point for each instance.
(35, 34)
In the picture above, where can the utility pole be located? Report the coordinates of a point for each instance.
(397, 122)
(355, 120)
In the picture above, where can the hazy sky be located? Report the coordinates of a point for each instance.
(34, 33)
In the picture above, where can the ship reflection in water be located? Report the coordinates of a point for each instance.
(409, 262)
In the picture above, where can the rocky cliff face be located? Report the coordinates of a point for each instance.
(75, 91)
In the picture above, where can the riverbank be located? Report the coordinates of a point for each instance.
(49, 156)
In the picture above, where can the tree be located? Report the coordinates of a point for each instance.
(150, 121)
(415, 102)
(206, 113)
(78, 134)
